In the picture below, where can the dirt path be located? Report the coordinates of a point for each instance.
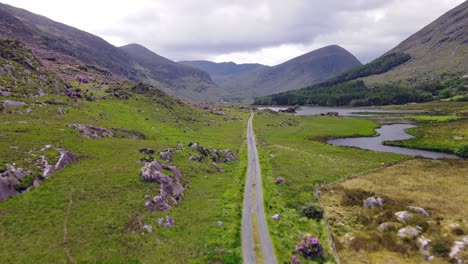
(254, 226)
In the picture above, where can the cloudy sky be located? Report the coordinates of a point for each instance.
(263, 31)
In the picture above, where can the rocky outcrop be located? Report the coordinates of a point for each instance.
(14, 181)
(456, 250)
(170, 189)
(92, 132)
(372, 202)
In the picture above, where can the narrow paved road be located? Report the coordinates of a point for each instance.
(253, 214)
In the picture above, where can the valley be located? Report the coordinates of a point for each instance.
(115, 154)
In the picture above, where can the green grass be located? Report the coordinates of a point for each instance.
(289, 152)
(434, 118)
(107, 213)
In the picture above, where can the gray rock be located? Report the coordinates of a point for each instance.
(408, 232)
(167, 222)
(372, 202)
(193, 145)
(9, 179)
(6, 190)
(166, 155)
(403, 216)
(60, 111)
(424, 248)
(457, 248)
(5, 93)
(229, 156)
(276, 217)
(148, 228)
(419, 210)
(386, 226)
(180, 146)
(7, 104)
(220, 224)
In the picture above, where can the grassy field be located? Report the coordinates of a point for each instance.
(438, 186)
(287, 150)
(100, 198)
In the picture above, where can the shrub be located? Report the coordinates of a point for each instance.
(312, 211)
(441, 246)
(310, 248)
(355, 196)
(462, 151)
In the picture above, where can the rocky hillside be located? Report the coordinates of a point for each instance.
(59, 46)
(307, 69)
(438, 49)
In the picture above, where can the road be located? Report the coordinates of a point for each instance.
(253, 214)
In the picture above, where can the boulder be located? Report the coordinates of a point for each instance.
(6, 104)
(386, 226)
(372, 202)
(276, 217)
(229, 156)
(424, 248)
(193, 145)
(457, 248)
(220, 224)
(6, 190)
(166, 155)
(419, 210)
(148, 228)
(408, 232)
(403, 216)
(279, 180)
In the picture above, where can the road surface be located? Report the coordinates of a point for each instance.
(253, 214)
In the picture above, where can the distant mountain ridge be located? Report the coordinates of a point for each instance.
(257, 80)
(58, 45)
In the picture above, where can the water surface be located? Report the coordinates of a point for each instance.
(389, 133)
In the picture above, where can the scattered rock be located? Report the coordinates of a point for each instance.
(220, 224)
(92, 132)
(219, 168)
(276, 217)
(419, 210)
(167, 222)
(147, 151)
(279, 180)
(372, 202)
(408, 232)
(424, 248)
(193, 145)
(403, 216)
(180, 146)
(148, 228)
(60, 111)
(457, 248)
(197, 158)
(166, 155)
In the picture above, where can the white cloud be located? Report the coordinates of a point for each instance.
(264, 31)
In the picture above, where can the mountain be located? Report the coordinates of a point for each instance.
(221, 73)
(429, 65)
(438, 49)
(247, 81)
(179, 79)
(58, 45)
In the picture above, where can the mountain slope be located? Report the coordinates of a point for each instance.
(190, 82)
(221, 73)
(439, 48)
(59, 45)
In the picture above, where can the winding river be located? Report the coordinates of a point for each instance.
(389, 132)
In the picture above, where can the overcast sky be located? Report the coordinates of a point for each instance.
(243, 31)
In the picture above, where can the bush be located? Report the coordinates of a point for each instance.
(441, 246)
(312, 211)
(462, 151)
